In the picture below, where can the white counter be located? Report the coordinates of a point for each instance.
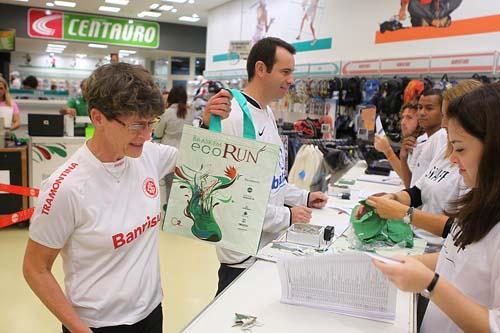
(257, 292)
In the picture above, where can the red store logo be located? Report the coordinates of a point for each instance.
(45, 24)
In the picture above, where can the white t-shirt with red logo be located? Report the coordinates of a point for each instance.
(105, 218)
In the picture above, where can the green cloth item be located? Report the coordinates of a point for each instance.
(372, 228)
(79, 104)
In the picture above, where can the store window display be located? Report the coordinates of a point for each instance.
(101, 211)
(8, 107)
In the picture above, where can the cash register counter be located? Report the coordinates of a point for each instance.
(257, 292)
(39, 107)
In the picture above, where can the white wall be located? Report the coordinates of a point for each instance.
(352, 25)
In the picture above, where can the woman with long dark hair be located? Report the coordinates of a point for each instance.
(462, 280)
(177, 113)
(169, 128)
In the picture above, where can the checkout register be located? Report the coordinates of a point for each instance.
(55, 125)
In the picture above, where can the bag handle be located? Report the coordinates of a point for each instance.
(248, 128)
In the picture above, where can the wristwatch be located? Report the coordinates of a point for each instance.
(408, 216)
(428, 291)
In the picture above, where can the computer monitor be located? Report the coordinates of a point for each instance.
(45, 124)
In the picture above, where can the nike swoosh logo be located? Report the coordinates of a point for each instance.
(261, 132)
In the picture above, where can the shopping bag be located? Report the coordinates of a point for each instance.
(222, 185)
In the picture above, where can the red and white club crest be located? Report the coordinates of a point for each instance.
(14, 218)
(149, 187)
(45, 24)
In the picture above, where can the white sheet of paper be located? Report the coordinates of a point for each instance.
(379, 129)
(6, 114)
(390, 180)
(4, 178)
(346, 283)
(387, 260)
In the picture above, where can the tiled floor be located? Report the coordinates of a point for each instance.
(189, 278)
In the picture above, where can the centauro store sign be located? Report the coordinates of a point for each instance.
(50, 24)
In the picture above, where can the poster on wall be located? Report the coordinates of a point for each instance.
(427, 19)
(7, 39)
(297, 22)
(221, 188)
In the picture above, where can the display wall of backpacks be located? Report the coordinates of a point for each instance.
(390, 100)
(350, 95)
(370, 91)
(413, 91)
(391, 96)
(310, 128)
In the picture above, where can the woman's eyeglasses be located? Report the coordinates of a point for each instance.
(138, 127)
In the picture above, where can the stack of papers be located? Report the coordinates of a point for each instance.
(346, 283)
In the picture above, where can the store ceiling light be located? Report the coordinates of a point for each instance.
(191, 1)
(189, 19)
(109, 9)
(195, 15)
(98, 46)
(56, 46)
(118, 2)
(174, 10)
(175, 1)
(127, 51)
(81, 55)
(165, 7)
(49, 4)
(53, 51)
(154, 6)
(65, 3)
(149, 13)
(22, 0)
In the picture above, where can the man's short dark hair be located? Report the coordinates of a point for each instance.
(433, 92)
(30, 82)
(123, 89)
(265, 50)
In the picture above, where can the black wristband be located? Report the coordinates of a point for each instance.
(415, 196)
(433, 283)
(307, 203)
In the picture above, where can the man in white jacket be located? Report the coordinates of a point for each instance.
(270, 67)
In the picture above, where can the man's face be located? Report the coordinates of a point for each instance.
(409, 122)
(281, 77)
(429, 112)
(126, 134)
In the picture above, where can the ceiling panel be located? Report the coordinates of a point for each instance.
(134, 7)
